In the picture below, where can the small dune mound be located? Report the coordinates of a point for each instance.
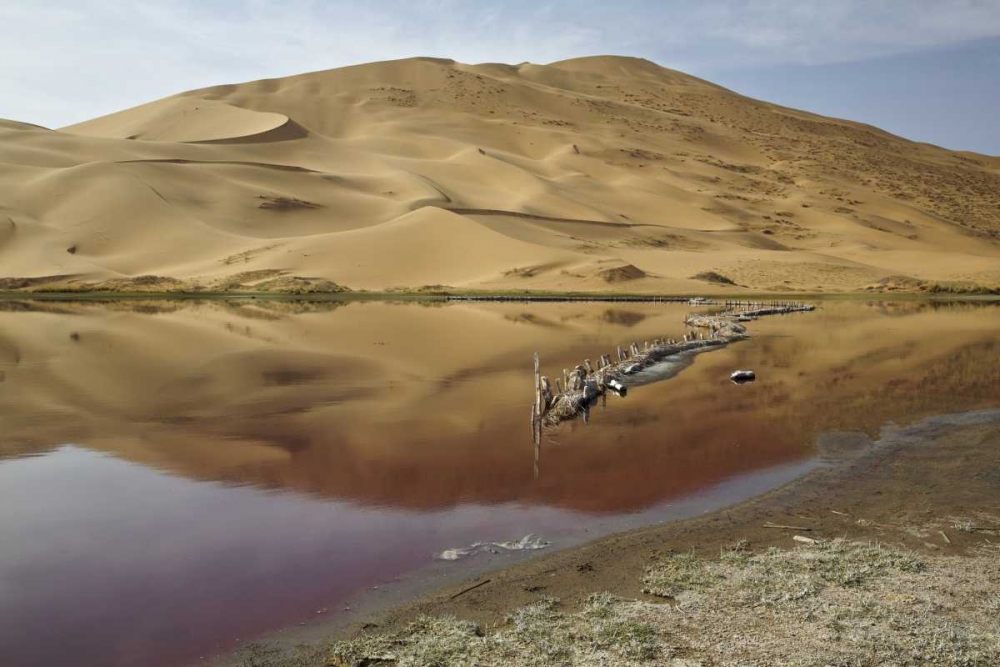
(146, 283)
(896, 284)
(907, 284)
(620, 274)
(276, 281)
(36, 283)
(714, 277)
(183, 119)
(299, 285)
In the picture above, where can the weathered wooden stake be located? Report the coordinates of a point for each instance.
(538, 388)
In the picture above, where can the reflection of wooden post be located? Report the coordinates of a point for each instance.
(537, 410)
(538, 452)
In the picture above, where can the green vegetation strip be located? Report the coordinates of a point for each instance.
(417, 295)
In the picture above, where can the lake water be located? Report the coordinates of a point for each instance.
(180, 478)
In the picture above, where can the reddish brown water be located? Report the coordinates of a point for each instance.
(178, 479)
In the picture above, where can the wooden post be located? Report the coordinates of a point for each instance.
(538, 388)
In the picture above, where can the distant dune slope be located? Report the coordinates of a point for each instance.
(424, 171)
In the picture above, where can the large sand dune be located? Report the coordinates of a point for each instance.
(602, 173)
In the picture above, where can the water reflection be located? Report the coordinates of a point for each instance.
(287, 453)
(417, 406)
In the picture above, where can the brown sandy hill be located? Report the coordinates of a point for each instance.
(555, 177)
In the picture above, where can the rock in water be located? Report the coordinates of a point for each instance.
(742, 376)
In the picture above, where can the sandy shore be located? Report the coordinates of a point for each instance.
(929, 488)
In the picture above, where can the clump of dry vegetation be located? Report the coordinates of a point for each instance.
(521, 272)
(285, 203)
(828, 603)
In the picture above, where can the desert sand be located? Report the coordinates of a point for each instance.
(425, 173)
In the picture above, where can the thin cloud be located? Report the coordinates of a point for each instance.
(63, 61)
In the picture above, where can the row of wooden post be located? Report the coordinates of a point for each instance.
(574, 380)
(761, 304)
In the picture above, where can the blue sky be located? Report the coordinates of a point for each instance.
(929, 70)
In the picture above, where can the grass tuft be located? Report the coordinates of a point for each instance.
(676, 574)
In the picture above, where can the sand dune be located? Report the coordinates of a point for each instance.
(425, 171)
(182, 119)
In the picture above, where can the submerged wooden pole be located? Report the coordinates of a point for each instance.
(538, 386)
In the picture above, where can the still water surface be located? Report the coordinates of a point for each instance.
(178, 478)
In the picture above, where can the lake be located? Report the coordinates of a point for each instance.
(179, 478)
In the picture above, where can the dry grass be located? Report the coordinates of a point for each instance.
(833, 603)
(607, 631)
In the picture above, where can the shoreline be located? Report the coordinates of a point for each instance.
(885, 490)
(491, 296)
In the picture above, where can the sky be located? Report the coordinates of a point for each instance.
(926, 69)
